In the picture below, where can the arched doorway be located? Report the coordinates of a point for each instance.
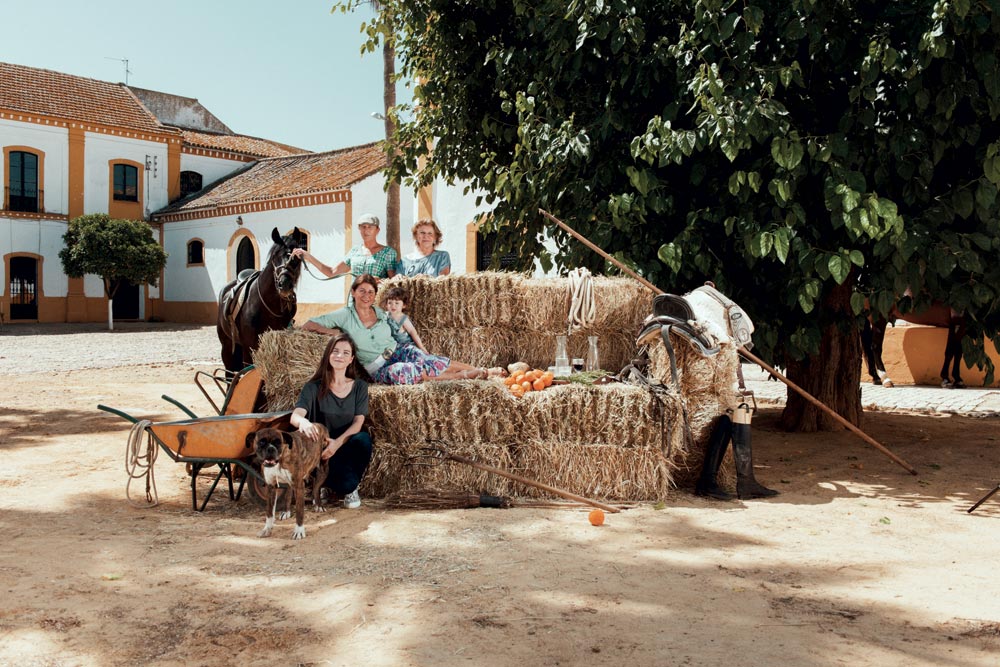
(23, 288)
(245, 255)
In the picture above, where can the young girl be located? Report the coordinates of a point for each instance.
(396, 301)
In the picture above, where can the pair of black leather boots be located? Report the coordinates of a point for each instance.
(736, 429)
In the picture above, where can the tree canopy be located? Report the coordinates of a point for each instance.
(811, 158)
(113, 249)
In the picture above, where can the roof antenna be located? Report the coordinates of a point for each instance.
(123, 61)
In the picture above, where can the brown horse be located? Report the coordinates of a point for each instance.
(259, 301)
(938, 315)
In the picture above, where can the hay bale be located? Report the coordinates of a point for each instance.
(618, 442)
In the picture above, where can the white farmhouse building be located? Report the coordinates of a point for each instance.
(74, 146)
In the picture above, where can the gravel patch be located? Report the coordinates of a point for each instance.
(37, 348)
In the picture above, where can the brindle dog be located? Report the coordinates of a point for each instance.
(289, 458)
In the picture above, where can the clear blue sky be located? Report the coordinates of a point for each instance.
(286, 70)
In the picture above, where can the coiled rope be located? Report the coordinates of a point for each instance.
(139, 464)
(582, 307)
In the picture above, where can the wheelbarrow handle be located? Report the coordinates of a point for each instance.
(121, 414)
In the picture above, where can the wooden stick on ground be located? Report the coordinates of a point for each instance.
(806, 395)
(440, 452)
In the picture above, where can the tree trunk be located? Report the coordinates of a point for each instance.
(833, 376)
(389, 98)
(111, 314)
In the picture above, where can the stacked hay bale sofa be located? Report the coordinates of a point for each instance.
(617, 442)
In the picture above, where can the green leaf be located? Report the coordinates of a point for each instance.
(857, 258)
(857, 303)
(963, 203)
(806, 303)
(781, 244)
(839, 268)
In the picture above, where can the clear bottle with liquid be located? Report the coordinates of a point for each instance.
(562, 357)
(593, 358)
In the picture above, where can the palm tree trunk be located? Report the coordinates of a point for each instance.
(389, 97)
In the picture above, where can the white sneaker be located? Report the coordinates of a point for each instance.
(352, 500)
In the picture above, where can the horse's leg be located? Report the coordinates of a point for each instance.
(869, 351)
(953, 353)
(878, 339)
(872, 338)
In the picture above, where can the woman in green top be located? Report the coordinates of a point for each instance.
(378, 352)
(337, 398)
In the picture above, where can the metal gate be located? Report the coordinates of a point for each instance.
(23, 288)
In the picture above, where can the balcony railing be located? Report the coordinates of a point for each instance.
(25, 200)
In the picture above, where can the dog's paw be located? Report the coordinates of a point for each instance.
(266, 530)
(284, 515)
(318, 508)
(299, 533)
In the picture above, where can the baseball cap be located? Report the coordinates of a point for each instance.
(369, 219)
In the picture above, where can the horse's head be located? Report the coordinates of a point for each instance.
(286, 265)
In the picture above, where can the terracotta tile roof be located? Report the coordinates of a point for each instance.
(276, 178)
(42, 91)
(238, 143)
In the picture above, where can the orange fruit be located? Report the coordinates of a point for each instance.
(517, 390)
(526, 385)
(517, 378)
(547, 378)
(508, 380)
(596, 517)
(538, 384)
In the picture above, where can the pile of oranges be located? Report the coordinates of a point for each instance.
(531, 380)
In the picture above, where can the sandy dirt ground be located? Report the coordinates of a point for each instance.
(855, 563)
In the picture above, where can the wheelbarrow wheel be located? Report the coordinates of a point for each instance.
(256, 489)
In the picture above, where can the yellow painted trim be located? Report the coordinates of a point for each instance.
(166, 135)
(913, 354)
(77, 171)
(127, 210)
(217, 153)
(471, 246)
(173, 171)
(234, 242)
(348, 242)
(40, 154)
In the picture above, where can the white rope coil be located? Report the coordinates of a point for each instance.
(582, 307)
(139, 464)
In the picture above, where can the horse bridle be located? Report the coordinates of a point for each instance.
(280, 271)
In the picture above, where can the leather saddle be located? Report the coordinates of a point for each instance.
(705, 317)
(233, 300)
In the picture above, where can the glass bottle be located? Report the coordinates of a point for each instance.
(562, 357)
(593, 359)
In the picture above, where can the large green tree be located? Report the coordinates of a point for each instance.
(808, 156)
(113, 249)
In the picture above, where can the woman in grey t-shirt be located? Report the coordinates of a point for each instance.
(337, 398)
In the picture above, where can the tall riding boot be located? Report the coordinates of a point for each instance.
(746, 485)
(715, 451)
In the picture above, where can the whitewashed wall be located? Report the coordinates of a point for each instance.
(41, 237)
(452, 211)
(101, 149)
(54, 142)
(325, 223)
(210, 168)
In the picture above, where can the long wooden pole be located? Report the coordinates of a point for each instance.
(802, 392)
(525, 480)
